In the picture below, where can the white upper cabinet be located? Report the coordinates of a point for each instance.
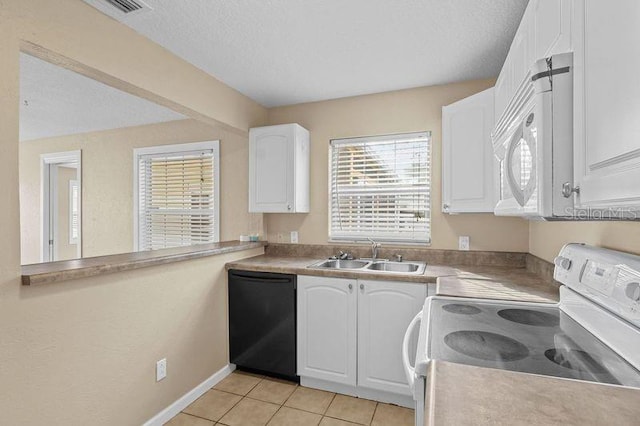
(279, 169)
(552, 23)
(469, 169)
(607, 104)
(545, 29)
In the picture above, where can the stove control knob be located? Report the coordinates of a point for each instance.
(562, 262)
(633, 291)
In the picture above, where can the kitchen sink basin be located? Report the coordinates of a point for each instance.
(373, 266)
(406, 267)
(342, 264)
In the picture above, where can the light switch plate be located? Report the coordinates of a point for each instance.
(463, 243)
(161, 369)
(294, 237)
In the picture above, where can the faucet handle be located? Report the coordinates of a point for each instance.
(398, 257)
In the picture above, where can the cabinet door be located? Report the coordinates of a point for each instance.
(271, 169)
(552, 27)
(327, 315)
(469, 168)
(502, 89)
(522, 53)
(607, 105)
(385, 310)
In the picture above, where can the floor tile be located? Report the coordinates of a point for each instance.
(292, 417)
(329, 421)
(240, 384)
(250, 412)
(272, 391)
(352, 409)
(307, 399)
(213, 404)
(247, 373)
(393, 415)
(183, 419)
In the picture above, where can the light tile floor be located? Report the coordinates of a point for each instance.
(244, 399)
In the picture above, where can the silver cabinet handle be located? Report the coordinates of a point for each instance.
(288, 206)
(445, 207)
(568, 189)
(350, 286)
(361, 286)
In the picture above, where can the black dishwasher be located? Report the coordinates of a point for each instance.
(262, 322)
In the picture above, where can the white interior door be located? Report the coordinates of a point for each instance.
(61, 206)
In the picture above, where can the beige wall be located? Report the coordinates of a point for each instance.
(107, 183)
(547, 238)
(385, 113)
(84, 351)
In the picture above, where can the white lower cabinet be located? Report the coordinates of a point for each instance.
(350, 335)
(327, 318)
(385, 310)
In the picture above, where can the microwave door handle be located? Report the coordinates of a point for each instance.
(516, 191)
(410, 370)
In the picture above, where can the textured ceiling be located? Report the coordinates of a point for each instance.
(281, 52)
(55, 102)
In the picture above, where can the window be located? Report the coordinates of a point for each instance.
(176, 195)
(380, 188)
(74, 214)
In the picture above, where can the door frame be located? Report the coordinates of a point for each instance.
(46, 199)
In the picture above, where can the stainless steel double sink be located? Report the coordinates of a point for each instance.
(411, 267)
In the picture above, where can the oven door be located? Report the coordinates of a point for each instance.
(417, 373)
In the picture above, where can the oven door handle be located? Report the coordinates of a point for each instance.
(409, 370)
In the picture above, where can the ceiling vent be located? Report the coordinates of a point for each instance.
(126, 6)
(119, 9)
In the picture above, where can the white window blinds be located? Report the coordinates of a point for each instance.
(380, 188)
(177, 196)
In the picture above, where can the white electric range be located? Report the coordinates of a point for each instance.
(592, 334)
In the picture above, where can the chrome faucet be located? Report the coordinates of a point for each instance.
(345, 255)
(374, 249)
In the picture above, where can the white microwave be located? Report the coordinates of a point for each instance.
(533, 142)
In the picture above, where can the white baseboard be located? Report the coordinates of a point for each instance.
(183, 402)
(359, 391)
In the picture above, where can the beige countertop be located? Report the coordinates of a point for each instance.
(494, 282)
(466, 395)
(50, 272)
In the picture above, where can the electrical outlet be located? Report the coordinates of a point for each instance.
(463, 243)
(294, 237)
(161, 369)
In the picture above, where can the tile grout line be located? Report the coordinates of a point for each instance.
(324, 413)
(230, 393)
(197, 417)
(374, 412)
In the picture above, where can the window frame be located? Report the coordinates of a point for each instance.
(213, 145)
(378, 138)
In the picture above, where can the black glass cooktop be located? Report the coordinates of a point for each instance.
(530, 338)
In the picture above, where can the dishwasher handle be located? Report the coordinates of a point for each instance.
(410, 370)
(264, 279)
